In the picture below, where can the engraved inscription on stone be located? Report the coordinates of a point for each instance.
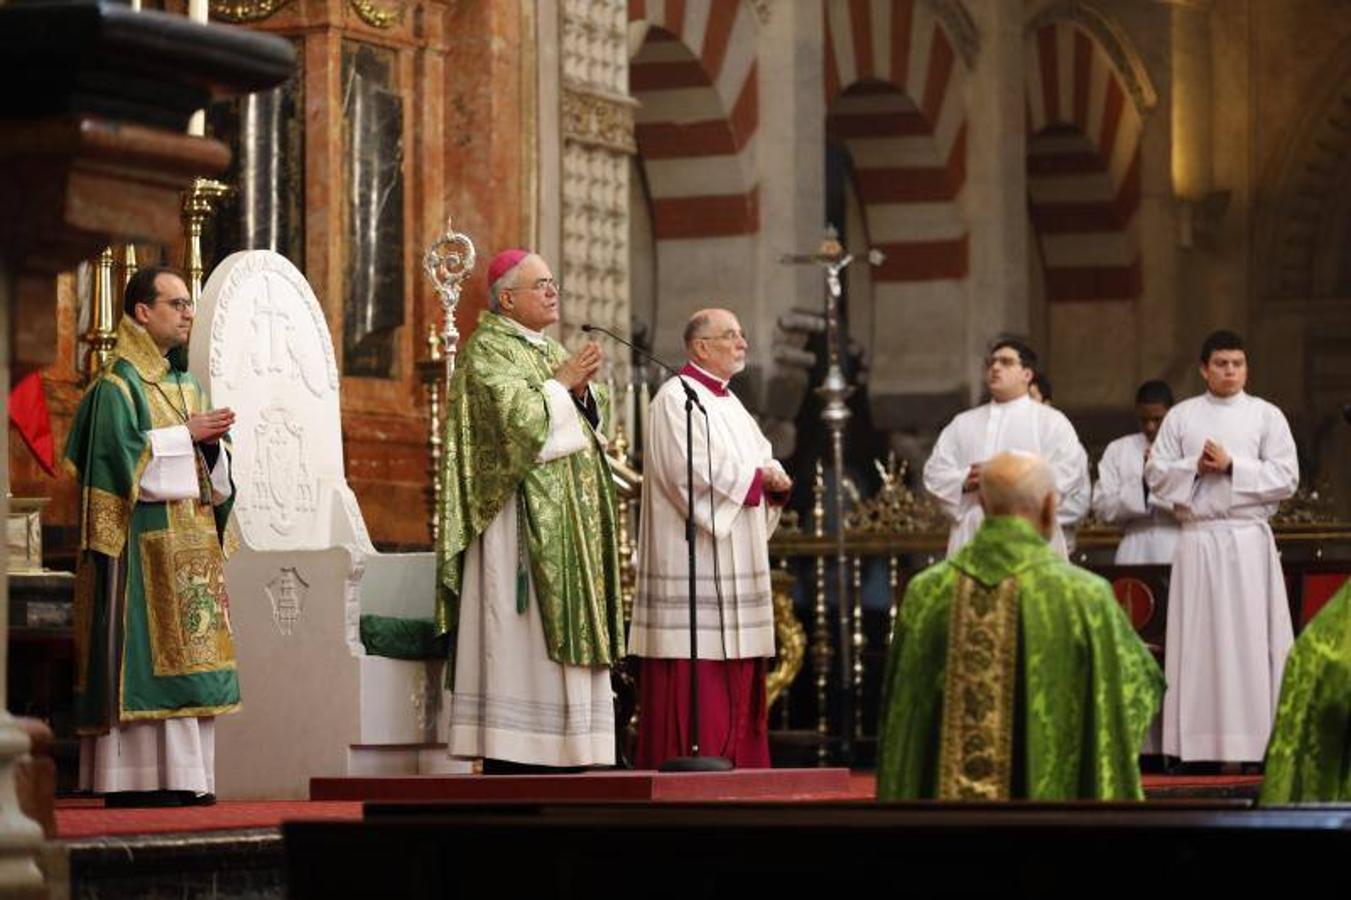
(286, 592)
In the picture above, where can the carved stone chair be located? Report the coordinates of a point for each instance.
(306, 578)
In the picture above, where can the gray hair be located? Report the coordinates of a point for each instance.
(695, 326)
(503, 283)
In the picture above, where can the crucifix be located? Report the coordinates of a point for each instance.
(834, 390)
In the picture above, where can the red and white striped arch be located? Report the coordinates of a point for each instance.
(693, 72)
(894, 98)
(1083, 167)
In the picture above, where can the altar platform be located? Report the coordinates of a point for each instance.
(236, 848)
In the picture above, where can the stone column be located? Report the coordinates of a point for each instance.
(790, 149)
(996, 184)
(597, 130)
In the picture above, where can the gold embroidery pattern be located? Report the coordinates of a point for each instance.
(136, 346)
(184, 577)
(976, 750)
(231, 540)
(105, 522)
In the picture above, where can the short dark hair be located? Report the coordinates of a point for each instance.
(1154, 391)
(1027, 357)
(141, 287)
(1220, 340)
(1042, 384)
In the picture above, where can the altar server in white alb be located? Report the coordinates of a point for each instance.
(1012, 420)
(1223, 462)
(735, 630)
(1121, 497)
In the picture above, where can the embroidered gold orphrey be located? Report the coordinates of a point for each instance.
(976, 751)
(185, 601)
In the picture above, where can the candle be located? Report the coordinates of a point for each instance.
(198, 11)
(628, 411)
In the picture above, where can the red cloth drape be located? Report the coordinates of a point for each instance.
(28, 412)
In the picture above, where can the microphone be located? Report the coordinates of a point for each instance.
(689, 391)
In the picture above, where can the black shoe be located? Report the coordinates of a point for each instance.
(146, 799)
(200, 800)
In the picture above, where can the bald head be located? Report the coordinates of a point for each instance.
(1020, 484)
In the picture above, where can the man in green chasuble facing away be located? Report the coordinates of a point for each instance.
(528, 567)
(1013, 673)
(155, 662)
(1308, 759)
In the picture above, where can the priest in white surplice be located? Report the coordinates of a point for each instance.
(1012, 420)
(1121, 497)
(529, 564)
(1223, 462)
(735, 630)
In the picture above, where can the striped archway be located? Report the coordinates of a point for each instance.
(893, 84)
(692, 70)
(1083, 166)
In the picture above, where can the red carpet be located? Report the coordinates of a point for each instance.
(84, 818)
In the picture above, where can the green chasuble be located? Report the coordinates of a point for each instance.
(497, 422)
(1013, 674)
(1309, 755)
(152, 635)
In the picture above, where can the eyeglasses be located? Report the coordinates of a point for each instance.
(180, 305)
(730, 334)
(1007, 362)
(542, 284)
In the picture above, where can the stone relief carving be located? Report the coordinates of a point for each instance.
(281, 487)
(311, 357)
(594, 43)
(598, 138)
(599, 120)
(287, 592)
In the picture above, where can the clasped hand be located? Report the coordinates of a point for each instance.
(209, 427)
(578, 369)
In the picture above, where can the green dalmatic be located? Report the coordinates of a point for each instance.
(497, 422)
(1013, 674)
(152, 633)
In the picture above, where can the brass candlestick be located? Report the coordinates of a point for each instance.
(199, 202)
(101, 338)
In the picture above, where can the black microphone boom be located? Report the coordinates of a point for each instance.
(694, 762)
(689, 391)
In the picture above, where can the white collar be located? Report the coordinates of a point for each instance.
(535, 337)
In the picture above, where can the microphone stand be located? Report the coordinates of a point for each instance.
(694, 762)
